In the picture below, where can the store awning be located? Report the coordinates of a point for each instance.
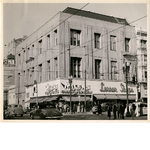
(100, 96)
(53, 98)
(124, 97)
(111, 96)
(33, 100)
(75, 98)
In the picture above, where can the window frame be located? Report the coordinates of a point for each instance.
(113, 42)
(97, 40)
(113, 70)
(98, 68)
(127, 46)
(75, 40)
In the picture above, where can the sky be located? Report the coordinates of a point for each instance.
(24, 18)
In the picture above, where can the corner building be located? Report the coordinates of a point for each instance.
(68, 44)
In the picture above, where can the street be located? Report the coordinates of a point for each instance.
(82, 116)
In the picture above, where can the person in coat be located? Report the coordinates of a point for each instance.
(99, 109)
(74, 108)
(78, 108)
(118, 110)
(114, 110)
(109, 111)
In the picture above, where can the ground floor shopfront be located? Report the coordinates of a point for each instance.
(143, 92)
(96, 91)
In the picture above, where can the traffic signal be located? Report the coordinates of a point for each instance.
(133, 80)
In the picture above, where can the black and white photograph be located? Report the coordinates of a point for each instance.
(75, 61)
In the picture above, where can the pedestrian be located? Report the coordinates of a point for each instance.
(114, 110)
(109, 111)
(78, 108)
(118, 110)
(82, 107)
(99, 109)
(122, 109)
(74, 108)
(132, 110)
(65, 107)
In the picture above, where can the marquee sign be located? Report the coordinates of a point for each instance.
(51, 89)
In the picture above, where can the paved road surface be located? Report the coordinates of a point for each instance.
(83, 117)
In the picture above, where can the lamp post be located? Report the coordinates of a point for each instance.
(18, 87)
(36, 90)
(70, 82)
(128, 113)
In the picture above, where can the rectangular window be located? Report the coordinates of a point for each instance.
(32, 50)
(48, 70)
(76, 70)
(55, 38)
(19, 59)
(40, 73)
(113, 70)
(48, 41)
(113, 43)
(40, 47)
(143, 43)
(146, 75)
(97, 68)
(127, 44)
(56, 67)
(97, 38)
(75, 37)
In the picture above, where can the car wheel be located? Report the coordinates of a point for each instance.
(32, 117)
(42, 116)
(21, 115)
(94, 112)
(15, 115)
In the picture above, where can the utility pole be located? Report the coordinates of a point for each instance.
(85, 91)
(128, 113)
(18, 87)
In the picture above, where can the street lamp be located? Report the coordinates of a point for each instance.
(70, 81)
(128, 113)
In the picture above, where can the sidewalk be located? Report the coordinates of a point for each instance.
(84, 113)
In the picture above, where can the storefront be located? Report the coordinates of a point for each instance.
(101, 91)
(143, 91)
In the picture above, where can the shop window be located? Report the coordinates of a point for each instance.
(97, 38)
(75, 37)
(113, 43)
(97, 68)
(76, 71)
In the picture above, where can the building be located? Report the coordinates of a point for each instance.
(12, 95)
(9, 76)
(142, 62)
(88, 45)
(10, 48)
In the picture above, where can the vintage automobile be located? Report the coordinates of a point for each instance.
(95, 109)
(15, 109)
(47, 111)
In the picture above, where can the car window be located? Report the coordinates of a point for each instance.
(50, 106)
(15, 105)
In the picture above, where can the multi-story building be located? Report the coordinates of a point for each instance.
(78, 43)
(9, 76)
(142, 62)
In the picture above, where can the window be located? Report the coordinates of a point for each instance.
(56, 67)
(75, 37)
(127, 42)
(19, 58)
(113, 43)
(32, 50)
(76, 67)
(55, 38)
(48, 41)
(113, 70)
(40, 73)
(143, 43)
(97, 40)
(40, 47)
(48, 70)
(97, 68)
(146, 75)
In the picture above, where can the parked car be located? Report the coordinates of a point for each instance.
(95, 109)
(15, 109)
(47, 111)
